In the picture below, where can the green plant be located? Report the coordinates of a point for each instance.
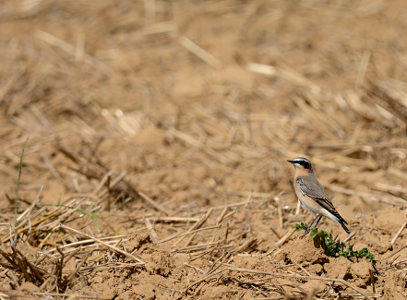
(334, 248)
(94, 216)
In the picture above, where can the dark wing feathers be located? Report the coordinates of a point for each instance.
(310, 187)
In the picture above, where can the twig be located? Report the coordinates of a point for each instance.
(67, 295)
(349, 237)
(196, 226)
(70, 49)
(285, 237)
(128, 255)
(105, 178)
(297, 277)
(153, 203)
(84, 242)
(222, 215)
(199, 52)
(196, 248)
(372, 280)
(202, 279)
(195, 268)
(261, 69)
(72, 274)
(153, 234)
(393, 241)
(29, 209)
(178, 234)
(174, 219)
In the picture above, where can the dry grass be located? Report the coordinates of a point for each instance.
(157, 134)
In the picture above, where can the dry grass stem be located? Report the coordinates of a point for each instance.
(199, 52)
(128, 255)
(153, 233)
(153, 203)
(393, 240)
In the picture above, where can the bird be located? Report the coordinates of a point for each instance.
(312, 196)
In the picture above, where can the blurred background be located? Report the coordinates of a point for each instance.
(200, 103)
(230, 85)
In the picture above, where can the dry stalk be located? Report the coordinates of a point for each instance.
(199, 52)
(393, 240)
(299, 277)
(195, 226)
(124, 253)
(157, 206)
(153, 233)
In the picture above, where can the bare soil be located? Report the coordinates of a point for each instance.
(155, 137)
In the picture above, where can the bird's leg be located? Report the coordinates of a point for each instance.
(309, 227)
(319, 219)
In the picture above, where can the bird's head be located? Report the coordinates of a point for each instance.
(302, 164)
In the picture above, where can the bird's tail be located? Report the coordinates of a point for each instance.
(342, 223)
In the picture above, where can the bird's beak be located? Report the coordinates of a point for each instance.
(291, 161)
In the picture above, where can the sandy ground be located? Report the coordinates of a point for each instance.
(156, 136)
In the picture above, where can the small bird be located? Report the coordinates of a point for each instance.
(312, 196)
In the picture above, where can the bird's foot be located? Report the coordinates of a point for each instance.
(305, 233)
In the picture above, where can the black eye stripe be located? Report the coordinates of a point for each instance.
(304, 163)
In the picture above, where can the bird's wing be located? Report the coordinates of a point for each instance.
(310, 187)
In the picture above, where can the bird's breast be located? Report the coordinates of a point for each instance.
(306, 201)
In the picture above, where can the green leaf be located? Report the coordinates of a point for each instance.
(314, 232)
(333, 248)
(301, 226)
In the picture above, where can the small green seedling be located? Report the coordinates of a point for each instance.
(94, 216)
(333, 248)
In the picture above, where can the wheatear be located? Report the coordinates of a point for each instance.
(312, 196)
